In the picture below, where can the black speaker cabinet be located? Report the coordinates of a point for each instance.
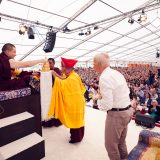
(145, 120)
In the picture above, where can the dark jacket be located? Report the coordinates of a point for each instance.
(156, 112)
(6, 83)
(5, 70)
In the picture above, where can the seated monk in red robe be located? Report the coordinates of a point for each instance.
(8, 65)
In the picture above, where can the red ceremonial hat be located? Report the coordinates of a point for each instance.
(68, 63)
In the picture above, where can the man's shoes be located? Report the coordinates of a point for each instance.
(48, 123)
(43, 123)
(71, 141)
(57, 122)
(52, 122)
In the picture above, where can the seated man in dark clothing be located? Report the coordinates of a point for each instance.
(52, 66)
(154, 110)
(8, 65)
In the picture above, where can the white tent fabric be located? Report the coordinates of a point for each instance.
(125, 42)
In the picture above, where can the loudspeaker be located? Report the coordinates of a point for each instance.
(50, 42)
(30, 33)
(145, 120)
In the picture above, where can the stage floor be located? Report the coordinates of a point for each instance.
(92, 146)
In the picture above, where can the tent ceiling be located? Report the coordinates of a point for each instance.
(122, 40)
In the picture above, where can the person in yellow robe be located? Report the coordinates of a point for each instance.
(68, 102)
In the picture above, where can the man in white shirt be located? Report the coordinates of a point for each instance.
(7, 64)
(114, 99)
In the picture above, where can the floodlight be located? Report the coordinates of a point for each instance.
(22, 29)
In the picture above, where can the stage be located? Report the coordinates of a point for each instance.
(92, 146)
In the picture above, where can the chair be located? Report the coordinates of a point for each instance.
(148, 147)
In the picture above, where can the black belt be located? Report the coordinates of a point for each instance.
(120, 109)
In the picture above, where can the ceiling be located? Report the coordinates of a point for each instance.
(125, 42)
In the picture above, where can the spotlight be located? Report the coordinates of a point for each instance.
(96, 27)
(22, 29)
(143, 17)
(131, 20)
(65, 29)
(88, 32)
(50, 41)
(157, 54)
(81, 33)
(30, 33)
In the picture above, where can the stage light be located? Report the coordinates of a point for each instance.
(81, 33)
(131, 20)
(96, 27)
(65, 29)
(22, 29)
(30, 33)
(88, 32)
(143, 17)
(50, 41)
(157, 54)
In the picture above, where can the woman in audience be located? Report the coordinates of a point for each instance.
(154, 110)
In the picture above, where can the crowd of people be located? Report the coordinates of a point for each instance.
(143, 82)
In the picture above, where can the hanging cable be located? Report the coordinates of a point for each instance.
(29, 9)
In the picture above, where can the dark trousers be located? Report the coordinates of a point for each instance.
(76, 134)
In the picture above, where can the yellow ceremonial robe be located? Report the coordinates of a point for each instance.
(67, 101)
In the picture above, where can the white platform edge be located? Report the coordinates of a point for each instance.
(14, 119)
(20, 145)
(1, 158)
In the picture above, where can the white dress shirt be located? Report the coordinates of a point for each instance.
(113, 89)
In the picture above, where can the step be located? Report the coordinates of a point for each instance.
(15, 127)
(30, 147)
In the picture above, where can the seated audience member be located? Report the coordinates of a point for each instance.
(154, 110)
(87, 94)
(148, 100)
(154, 94)
(134, 103)
(68, 102)
(8, 65)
